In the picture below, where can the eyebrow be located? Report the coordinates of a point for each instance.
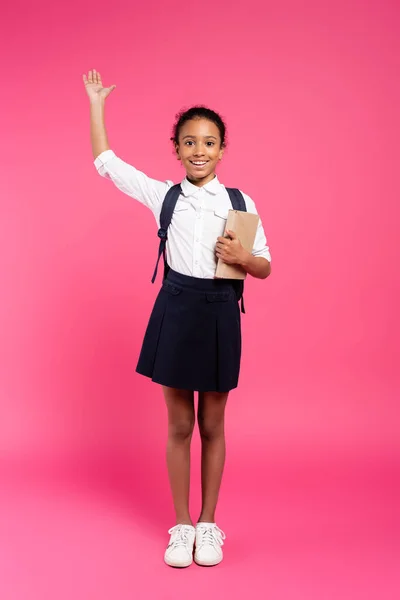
(205, 136)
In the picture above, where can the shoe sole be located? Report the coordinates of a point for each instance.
(207, 564)
(181, 566)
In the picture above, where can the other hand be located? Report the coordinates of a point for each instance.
(230, 250)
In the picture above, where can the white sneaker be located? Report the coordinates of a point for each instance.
(179, 552)
(209, 539)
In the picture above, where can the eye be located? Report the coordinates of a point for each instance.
(211, 143)
(189, 142)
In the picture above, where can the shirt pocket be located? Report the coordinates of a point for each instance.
(222, 213)
(219, 221)
(181, 206)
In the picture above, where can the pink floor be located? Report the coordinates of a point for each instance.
(316, 529)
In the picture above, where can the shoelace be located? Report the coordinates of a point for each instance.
(181, 535)
(211, 535)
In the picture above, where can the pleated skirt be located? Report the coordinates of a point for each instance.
(193, 338)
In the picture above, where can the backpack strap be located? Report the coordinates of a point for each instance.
(238, 203)
(167, 210)
(237, 200)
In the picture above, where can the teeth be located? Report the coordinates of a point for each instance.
(199, 163)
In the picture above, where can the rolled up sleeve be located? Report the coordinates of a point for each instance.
(260, 247)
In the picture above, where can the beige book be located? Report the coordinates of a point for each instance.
(244, 224)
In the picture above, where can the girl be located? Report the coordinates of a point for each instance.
(193, 339)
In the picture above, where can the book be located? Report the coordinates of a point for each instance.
(244, 224)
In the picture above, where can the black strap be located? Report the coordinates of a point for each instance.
(167, 210)
(238, 203)
(237, 200)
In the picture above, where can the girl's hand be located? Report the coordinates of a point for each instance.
(94, 86)
(231, 250)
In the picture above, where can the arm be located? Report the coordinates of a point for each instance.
(98, 134)
(257, 262)
(257, 266)
(97, 96)
(126, 177)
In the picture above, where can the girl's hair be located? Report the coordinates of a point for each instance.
(198, 112)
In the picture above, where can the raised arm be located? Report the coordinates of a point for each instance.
(126, 177)
(97, 96)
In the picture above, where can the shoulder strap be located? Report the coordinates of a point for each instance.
(167, 210)
(168, 207)
(237, 200)
(238, 203)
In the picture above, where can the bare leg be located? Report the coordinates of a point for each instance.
(211, 413)
(181, 419)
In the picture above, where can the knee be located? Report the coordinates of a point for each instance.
(182, 430)
(210, 429)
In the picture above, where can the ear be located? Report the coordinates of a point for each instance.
(221, 153)
(177, 151)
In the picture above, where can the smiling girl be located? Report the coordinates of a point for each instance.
(193, 339)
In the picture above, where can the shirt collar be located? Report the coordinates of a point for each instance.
(189, 189)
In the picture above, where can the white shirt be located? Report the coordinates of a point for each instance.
(199, 217)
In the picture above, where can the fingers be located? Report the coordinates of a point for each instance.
(96, 77)
(223, 240)
(93, 77)
(89, 78)
(221, 251)
(226, 249)
(224, 257)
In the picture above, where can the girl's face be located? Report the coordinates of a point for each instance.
(199, 149)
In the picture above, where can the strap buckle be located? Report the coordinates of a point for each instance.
(162, 233)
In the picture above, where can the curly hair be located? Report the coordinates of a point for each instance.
(198, 112)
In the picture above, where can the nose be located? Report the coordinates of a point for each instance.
(199, 150)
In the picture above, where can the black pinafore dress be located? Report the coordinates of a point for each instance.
(193, 338)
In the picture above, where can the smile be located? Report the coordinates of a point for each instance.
(199, 163)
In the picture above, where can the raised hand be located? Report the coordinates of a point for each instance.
(94, 86)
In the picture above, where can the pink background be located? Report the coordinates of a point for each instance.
(309, 502)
